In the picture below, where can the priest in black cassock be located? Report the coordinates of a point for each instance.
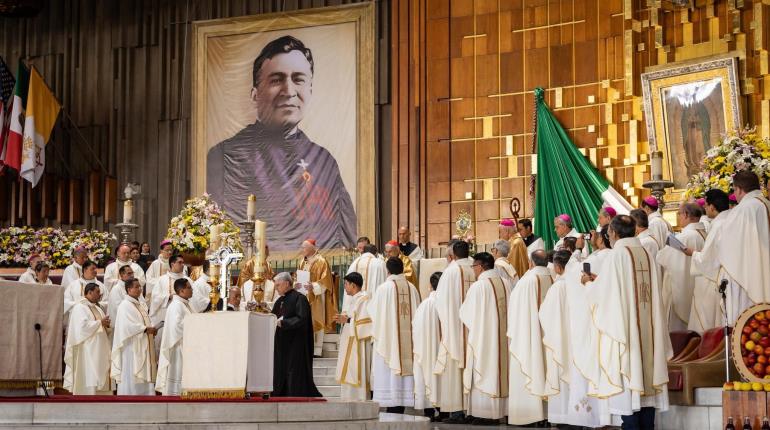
(296, 181)
(293, 370)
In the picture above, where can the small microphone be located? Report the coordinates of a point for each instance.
(722, 286)
(38, 326)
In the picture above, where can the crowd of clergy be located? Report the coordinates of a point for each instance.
(578, 335)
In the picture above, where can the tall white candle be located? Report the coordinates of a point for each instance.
(251, 207)
(656, 166)
(128, 211)
(260, 229)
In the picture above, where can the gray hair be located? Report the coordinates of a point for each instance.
(283, 276)
(502, 247)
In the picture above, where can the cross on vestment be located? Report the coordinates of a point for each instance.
(305, 174)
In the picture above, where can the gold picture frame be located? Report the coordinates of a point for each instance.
(361, 15)
(688, 107)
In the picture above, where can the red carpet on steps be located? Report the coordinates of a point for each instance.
(153, 399)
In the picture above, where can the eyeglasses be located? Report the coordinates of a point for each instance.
(475, 265)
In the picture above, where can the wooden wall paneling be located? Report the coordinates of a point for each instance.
(48, 195)
(5, 198)
(94, 194)
(31, 206)
(75, 200)
(110, 199)
(62, 201)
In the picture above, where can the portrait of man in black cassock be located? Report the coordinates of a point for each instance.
(293, 369)
(300, 192)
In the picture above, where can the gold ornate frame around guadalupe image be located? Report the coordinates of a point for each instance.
(362, 16)
(722, 69)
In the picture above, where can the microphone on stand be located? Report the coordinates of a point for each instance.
(40, 349)
(722, 289)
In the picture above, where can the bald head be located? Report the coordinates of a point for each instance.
(123, 252)
(540, 258)
(404, 235)
(234, 296)
(307, 249)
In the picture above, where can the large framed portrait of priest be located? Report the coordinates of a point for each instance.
(689, 106)
(283, 108)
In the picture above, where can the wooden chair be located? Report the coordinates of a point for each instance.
(705, 369)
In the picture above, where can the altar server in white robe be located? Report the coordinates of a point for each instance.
(75, 270)
(455, 281)
(485, 313)
(134, 364)
(200, 299)
(707, 302)
(658, 226)
(355, 355)
(29, 275)
(426, 336)
(76, 289)
(371, 269)
(643, 232)
(678, 283)
(169, 380)
(111, 275)
(633, 340)
(158, 267)
(118, 292)
(87, 352)
(392, 309)
(500, 250)
(527, 365)
(163, 293)
(744, 247)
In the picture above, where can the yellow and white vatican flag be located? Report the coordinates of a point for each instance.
(42, 110)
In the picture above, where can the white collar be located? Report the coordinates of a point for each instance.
(694, 226)
(396, 277)
(627, 242)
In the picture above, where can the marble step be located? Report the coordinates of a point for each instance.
(324, 371)
(331, 338)
(329, 354)
(324, 362)
(325, 380)
(329, 390)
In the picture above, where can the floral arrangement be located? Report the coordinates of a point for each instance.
(740, 150)
(189, 231)
(56, 245)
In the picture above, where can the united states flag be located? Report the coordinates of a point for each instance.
(6, 89)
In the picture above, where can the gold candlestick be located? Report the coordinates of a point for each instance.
(214, 283)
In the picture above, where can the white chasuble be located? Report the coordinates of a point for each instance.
(87, 353)
(506, 271)
(707, 307)
(134, 364)
(162, 294)
(116, 296)
(112, 273)
(201, 289)
(426, 335)
(744, 253)
(392, 308)
(485, 378)
(75, 292)
(355, 354)
(450, 294)
(659, 228)
(169, 380)
(527, 362)
(678, 283)
(577, 408)
(372, 270)
(73, 272)
(634, 345)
